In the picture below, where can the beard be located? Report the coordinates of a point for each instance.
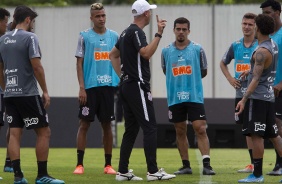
(180, 40)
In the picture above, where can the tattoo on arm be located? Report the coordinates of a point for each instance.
(260, 58)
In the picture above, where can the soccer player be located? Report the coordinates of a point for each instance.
(130, 58)
(273, 9)
(259, 119)
(241, 51)
(97, 81)
(24, 107)
(184, 63)
(4, 17)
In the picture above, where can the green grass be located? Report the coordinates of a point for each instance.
(62, 162)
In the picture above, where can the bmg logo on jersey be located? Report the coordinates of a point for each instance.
(104, 79)
(182, 70)
(12, 81)
(183, 95)
(241, 67)
(101, 56)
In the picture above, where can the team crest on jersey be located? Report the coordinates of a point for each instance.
(85, 111)
(259, 126)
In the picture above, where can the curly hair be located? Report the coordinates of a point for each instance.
(265, 24)
(275, 5)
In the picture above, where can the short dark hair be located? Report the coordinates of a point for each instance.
(181, 20)
(249, 16)
(22, 12)
(96, 6)
(265, 24)
(4, 13)
(275, 5)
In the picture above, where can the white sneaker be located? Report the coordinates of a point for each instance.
(160, 175)
(127, 176)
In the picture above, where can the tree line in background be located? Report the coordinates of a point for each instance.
(113, 2)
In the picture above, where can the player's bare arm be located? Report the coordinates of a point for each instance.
(261, 57)
(277, 89)
(232, 81)
(150, 49)
(82, 97)
(115, 60)
(40, 77)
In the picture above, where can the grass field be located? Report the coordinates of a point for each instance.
(62, 163)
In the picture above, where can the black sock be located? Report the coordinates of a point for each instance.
(17, 168)
(108, 159)
(42, 169)
(206, 162)
(186, 163)
(80, 155)
(251, 155)
(257, 167)
(278, 159)
(8, 162)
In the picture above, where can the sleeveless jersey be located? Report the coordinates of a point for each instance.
(264, 90)
(94, 49)
(242, 56)
(183, 73)
(277, 37)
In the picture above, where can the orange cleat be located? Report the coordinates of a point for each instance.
(109, 170)
(248, 169)
(79, 170)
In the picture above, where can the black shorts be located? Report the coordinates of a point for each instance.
(278, 106)
(100, 102)
(259, 119)
(240, 119)
(2, 110)
(25, 111)
(179, 112)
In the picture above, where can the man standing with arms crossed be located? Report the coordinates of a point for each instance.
(259, 119)
(241, 51)
(273, 9)
(184, 63)
(24, 107)
(131, 60)
(97, 80)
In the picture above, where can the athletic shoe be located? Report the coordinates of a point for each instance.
(1, 178)
(79, 170)
(208, 171)
(8, 169)
(160, 175)
(183, 170)
(277, 171)
(252, 179)
(109, 170)
(127, 176)
(48, 179)
(19, 180)
(248, 169)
